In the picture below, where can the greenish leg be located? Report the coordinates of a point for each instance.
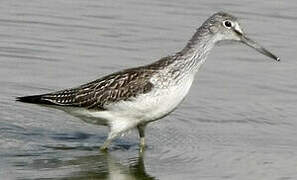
(141, 129)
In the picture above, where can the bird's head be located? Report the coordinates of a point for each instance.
(226, 27)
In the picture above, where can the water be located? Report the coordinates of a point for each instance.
(238, 122)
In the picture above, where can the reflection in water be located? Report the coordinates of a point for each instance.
(99, 166)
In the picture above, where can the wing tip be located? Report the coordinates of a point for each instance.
(35, 99)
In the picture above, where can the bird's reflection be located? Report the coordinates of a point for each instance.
(134, 170)
(99, 166)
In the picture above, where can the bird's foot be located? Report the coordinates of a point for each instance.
(103, 149)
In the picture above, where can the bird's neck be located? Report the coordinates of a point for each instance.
(194, 54)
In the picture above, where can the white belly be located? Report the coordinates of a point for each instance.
(153, 105)
(124, 115)
(144, 108)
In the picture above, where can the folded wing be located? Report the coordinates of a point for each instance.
(97, 94)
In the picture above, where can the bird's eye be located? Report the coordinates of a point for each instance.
(228, 24)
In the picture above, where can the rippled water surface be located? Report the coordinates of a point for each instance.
(238, 121)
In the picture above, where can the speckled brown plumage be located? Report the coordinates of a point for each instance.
(115, 87)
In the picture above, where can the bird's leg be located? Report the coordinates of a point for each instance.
(141, 128)
(107, 142)
(116, 128)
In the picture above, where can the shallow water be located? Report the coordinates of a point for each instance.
(238, 122)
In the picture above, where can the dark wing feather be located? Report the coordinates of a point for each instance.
(97, 94)
(112, 88)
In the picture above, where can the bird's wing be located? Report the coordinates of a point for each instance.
(97, 94)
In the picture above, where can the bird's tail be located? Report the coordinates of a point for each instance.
(35, 99)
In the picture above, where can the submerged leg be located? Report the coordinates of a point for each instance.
(141, 129)
(107, 142)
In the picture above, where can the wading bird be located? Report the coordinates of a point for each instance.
(134, 97)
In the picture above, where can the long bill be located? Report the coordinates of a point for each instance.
(258, 47)
(254, 45)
